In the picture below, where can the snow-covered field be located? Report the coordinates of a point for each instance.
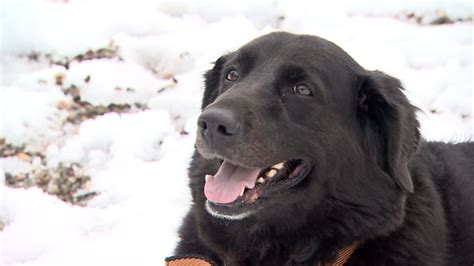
(148, 58)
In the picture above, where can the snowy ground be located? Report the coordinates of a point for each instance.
(151, 58)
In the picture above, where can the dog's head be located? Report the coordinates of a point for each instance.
(297, 125)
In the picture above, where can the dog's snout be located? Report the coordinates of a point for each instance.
(216, 123)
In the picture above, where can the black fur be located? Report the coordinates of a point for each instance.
(374, 180)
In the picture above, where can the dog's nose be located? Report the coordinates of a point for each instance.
(218, 122)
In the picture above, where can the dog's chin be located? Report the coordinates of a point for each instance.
(271, 186)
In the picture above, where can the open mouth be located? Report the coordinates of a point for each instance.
(233, 186)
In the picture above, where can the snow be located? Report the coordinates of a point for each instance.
(14, 166)
(138, 161)
(131, 83)
(34, 114)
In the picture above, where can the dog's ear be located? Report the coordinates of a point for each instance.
(390, 119)
(212, 82)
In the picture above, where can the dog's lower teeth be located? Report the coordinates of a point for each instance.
(271, 173)
(278, 166)
(260, 180)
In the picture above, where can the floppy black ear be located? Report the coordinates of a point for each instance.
(212, 82)
(390, 119)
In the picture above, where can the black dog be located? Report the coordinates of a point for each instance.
(302, 153)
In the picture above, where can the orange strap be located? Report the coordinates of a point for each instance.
(342, 257)
(187, 261)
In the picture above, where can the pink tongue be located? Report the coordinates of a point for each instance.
(226, 185)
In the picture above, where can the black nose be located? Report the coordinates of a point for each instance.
(216, 123)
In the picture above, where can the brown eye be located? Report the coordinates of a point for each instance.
(232, 75)
(302, 90)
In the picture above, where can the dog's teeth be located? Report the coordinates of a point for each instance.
(242, 192)
(260, 180)
(271, 173)
(208, 177)
(278, 166)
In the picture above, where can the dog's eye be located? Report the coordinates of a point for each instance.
(232, 75)
(302, 89)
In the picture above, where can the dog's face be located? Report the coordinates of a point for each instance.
(295, 121)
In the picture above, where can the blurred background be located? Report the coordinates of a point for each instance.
(99, 99)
